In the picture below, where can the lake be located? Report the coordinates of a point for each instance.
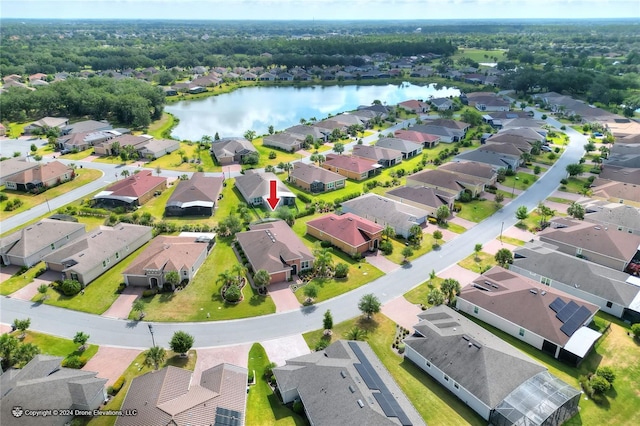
(256, 108)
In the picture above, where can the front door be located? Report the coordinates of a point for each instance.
(294, 269)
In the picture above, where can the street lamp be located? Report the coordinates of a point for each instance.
(501, 228)
(151, 331)
(48, 206)
(514, 185)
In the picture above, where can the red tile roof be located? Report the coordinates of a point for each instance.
(349, 228)
(136, 185)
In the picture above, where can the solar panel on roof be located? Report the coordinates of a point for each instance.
(384, 404)
(576, 321)
(366, 376)
(565, 313)
(557, 305)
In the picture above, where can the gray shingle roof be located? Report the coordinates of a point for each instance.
(310, 173)
(34, 238)
(384, 210)
(255, 184)
(198, 188)
(398, 144)
(617, 215)
(490, 372)
(229, 147)
(429, 197)
(375, 152)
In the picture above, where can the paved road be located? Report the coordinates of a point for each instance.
(105, 331)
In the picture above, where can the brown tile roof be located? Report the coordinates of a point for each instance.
(451, 124)
(43, 173)
(352, 164)
(609, 189)
(136, 185)
(15, 165)
(167, 254)
(620, 174)
(472, 168)
(348, 227)
(198, 188)
(375, 152)
(443, 179)
(501, 148)
(415, 136)
(413, 104)
(598, 239)
(269, 245)
(126, 140)
(514, 301)
(310, 173)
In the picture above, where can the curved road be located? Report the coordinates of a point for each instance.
(106, 331)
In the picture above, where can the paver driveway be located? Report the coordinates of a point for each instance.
(210, 357)
(402, 312)
(110, 362)
(283, 297)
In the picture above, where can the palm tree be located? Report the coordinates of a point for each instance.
(323, 262)
(238, 270)
(356, 333)
(138, 306)
(226, 277)
(172, 278)
(261, 278)
(250, 135)
(388, 232)
(450, 288)
(155, 356)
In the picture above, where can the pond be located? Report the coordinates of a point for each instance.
(256, 108)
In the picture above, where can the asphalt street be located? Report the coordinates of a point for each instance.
(106, 331)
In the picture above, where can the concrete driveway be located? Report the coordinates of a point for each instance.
(402, 312)
(283, 297)
(520, 234)
(210, 357)
(466, 224)
(281, 349)
(110, 362)
(122, 306)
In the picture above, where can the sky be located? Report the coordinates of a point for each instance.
(318, 9)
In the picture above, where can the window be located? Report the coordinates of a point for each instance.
(521, 332)
(446, 378)
(475, 310)
(104, 263)
(428, 364)
(609, 304)
(117, 255)
(74, 276)
(578, 251)
(455, 385)
(53, 246)
(545, 281)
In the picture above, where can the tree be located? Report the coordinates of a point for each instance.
(599, 384)
(25, 353)
(338, 147)
(504, 257)
(310, 291)
(356, 333)
(158, 170)
(606, 373)
(81, 339)
(574, 169)
(576, 210)
(229, 226)
(261, 278)
(8, 346)
(388, 232)
(323, 263)
(138, 306)
(125, 173)
(450, 288)
(415, 234)
(42, 289)
(435, 297)
(33, 148)
(233, 293)
(369, 305)
(437, 235)
(342, 270)
(250, 135)
(22, 325)
(442, 213)
(471, 116)
(544, 213)
(477, 249)
(181, 342)
(589, 147)
(522, 213)
(499, 198)
(327, 320)
(407, 252)
(155, 356)
(172, 278)
(635, 329)
(445, 113)
(285, 214)
(270, 129)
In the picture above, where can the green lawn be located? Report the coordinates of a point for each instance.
(479, 55)
(99, 295)
(16, 282)
(80, 155)
(263, 406)
(281, 156)
(135, 369)
(425, 247)
(418, 295)
(83, 177)
(523, 181)
(202, 296)
(576, 185)
(560, 200)
(454, 227)
(483, 262)
(173, 161)
(57, 346)
(512, 241)
(435, 404)
(161, 129)
(477, 210)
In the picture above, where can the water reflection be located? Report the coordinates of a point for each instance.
(257, 108)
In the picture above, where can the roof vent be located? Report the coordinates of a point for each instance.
(533, 291)
(352, 389)
(360, 403)
(343, 374)
(543, 292)
(597, 227)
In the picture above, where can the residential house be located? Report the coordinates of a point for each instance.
(472, 169)
(37, 76)
(255, 188)
(284, 141)
(249, 76)
(350, 233)
(172, 396)
(600, 244)
(355, 168)
(14, 167)
(348, 119)
(614, 292)
(302, 131)
(620, 174)
(137, 142)
(274, 247)
(530, 135)
(544, 317)
(345, 383)
(315, 179)
(407, 148)
(16, 83)
(525, 127)
(515, 141)
(196, 89)
(425, 139)
(165, 254)
(32, 243)
(381, 111)
(619, 216)
(498, 156)
(487, 101)
(56, 388)
(384, 211)
(156, 148)
(84, 140)
(624, 129)
(444, 134)
(497, 381)
(231, 150)
(457, 129)
(422, 197)
(385, 157)
(86, 126)
(267, 76)
(448, 181)
(40, 177)
(90, 256)
(46, 123)
(195, 197)
(131, 191)
(441, 104)
(413, 106)
(567, 106)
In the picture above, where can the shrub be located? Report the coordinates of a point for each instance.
(564, 181)
(606, 373)
(117, 385)
(272, 155)
(250, 377)
(401, 348)
(40, 272)
(325, 244)
(635, 329)
(556, 150)
(298, 407)
(304, 198)
(74, 361)
(70, 287)
(599, 384)
(537, 170)
(342, 269)
(322, 343)
(387, 248)
(233, 293)
(563, 127)
(3, 197)
(465, 197)
(150, 292)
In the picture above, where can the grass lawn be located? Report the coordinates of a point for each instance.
(173, 160)
(83, 177)
(425, 247)
(575, 185)
(57, 346)
(263, 406)
(161, 129)
(479, 55)
(202, 295)
(436, 405)
(560, 200)
(619, 406)
(281, 156)
(16, 282)
(523, 181)
(512, 241)
(483, 263)
(477, 210)
(418, 295)
(99, 295)
(16, 129)
(80, 155)
(454, 227)
(138, 368)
